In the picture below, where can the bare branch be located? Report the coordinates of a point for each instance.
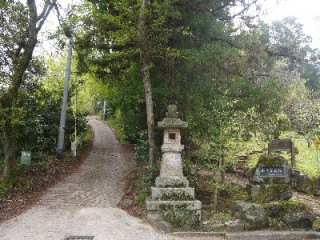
(60, 20)
(46, 4)
(46, 11)
(246, 8)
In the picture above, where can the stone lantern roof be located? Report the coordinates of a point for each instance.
(171, 120)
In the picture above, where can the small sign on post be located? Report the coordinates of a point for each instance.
(25, 158)
(283, 145)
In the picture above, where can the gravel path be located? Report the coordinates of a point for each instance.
(84, 203)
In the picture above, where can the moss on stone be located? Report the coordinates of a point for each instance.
(179, 216)
(271, 161)
(278, 209)
(275, 215)
(232, 192)
(269, 192)
(252, 214)
(289, 214)
(176, 196)
(316, 225)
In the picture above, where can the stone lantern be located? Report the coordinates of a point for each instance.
(173, 203)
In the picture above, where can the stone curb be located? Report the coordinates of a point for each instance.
(254, 235)
(271, 235)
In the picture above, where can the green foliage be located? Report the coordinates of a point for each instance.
(152, 172)
(116, 125)
(5, 189)
(303, 109)
(306, 159)
(88, 135)
(141, 150)
(230, 165)
(188, 171)
(38, 111)
(39, 124)
(20, 27)
(218, 217)
(235, 87)
(141, 197)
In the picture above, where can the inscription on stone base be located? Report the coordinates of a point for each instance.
(271, 171)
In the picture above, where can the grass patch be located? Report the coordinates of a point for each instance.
(307, 158)
(118, 128)
(88, 135)
(306, 155)
(141, 197)
(217, 217)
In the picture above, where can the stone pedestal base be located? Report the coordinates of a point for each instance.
(175, 214)
(175, 182)
(174, 194)
(173, 204)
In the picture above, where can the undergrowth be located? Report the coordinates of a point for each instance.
(39, 174)
(305, 153)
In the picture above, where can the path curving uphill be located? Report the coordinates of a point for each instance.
(84, 203)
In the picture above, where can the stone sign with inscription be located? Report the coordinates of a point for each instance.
(270, 180)
(269, 192)
(271, 171)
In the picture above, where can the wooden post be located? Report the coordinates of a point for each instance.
(283, 145)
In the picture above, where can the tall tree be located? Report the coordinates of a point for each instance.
(145, 66)
(131, 37)
(189, 50)
(285, 40)
(18, 34)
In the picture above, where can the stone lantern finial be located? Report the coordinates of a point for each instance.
(172, 120)
(172, 111)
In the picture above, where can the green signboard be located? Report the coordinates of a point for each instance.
(25, 158)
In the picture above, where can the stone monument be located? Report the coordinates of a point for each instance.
(270, 180)
(173, 203)
(269, 204)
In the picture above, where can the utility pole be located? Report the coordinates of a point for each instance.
(104, 109)
(65, 98)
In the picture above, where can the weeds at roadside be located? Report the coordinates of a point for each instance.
(30, 181)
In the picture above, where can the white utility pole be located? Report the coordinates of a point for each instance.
(64, 102)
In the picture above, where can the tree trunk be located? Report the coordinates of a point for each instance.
(145, 65)
(149, 109)
(215, 196)
(10, 146)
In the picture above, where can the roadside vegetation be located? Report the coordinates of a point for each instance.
(31, 181)
(238, 82)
